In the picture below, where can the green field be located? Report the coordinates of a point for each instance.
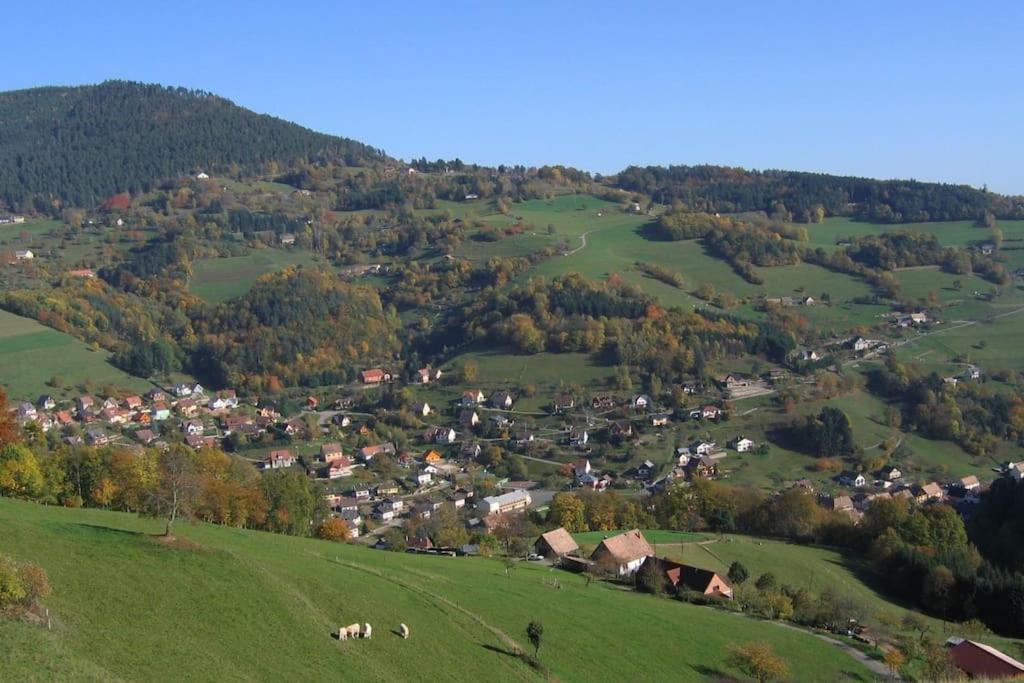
(949, 233)
(254, 606)
(30, 354)
(220, 279)
(814, 569)
(547, 371)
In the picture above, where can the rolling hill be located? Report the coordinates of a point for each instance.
(234, 604)
(83, 144)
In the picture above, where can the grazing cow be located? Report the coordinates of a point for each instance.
(346, 632)
(367, 631)
(404, 630)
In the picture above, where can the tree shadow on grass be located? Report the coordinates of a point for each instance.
(712, 673)
(108, 529)
(500, 650)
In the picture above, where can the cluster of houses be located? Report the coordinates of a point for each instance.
(386, 504)
(150, 419)
(787, 301)
(626, 554)
(888, 484)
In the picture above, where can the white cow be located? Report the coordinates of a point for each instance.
(350, 631)
(367, 631)
(404, 630)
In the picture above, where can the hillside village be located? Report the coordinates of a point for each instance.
(376, 477)
(655, 381)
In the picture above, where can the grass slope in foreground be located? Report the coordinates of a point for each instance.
(249, 605)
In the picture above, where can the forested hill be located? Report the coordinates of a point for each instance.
(808, 197)
(84, 144)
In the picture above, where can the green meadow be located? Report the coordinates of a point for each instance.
(31, 354)
(228, 604)
(219, 279)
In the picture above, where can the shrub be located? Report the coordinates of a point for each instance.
(21, 585)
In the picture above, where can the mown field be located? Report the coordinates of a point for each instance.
(814, 569)
(220, 279)
(227, 604)
(31, 354)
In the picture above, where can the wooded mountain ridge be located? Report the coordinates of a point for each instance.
(77, 146)
(83, 144)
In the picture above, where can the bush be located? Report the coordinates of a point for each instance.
(21, 586)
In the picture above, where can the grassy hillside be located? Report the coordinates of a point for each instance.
(814, 569)
(247, 605)
(220, 279)
(30, 354)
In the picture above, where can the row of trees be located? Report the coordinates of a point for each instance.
(167, 484)
(809, 197)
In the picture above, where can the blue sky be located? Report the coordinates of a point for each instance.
(930, 90)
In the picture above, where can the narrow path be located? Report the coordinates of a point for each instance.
(583, 244)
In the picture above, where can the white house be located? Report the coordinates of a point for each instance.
(641, 402)
(339, 467)
(710, 412)
(202, 175)
(578, 437)
(472, 398)
(279, 459)
(855, 479)
(704, 448)
(742, 444)
(24, 255)
(501, 399)
(624, 553)
(421, 408)
(423, 478)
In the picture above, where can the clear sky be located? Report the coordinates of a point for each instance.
(929, 90)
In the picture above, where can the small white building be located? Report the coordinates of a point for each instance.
(24, 255)
(742, 444)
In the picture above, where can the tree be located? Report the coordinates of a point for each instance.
(177, 487)
(737, 573)
(8, 426)
(766, 582)
(651, 578)
(291, 504)
(20, 474)
(509, 564)
(333, 529)
(759, 661)
(830, 433)
(470, 371)
(535, 632)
